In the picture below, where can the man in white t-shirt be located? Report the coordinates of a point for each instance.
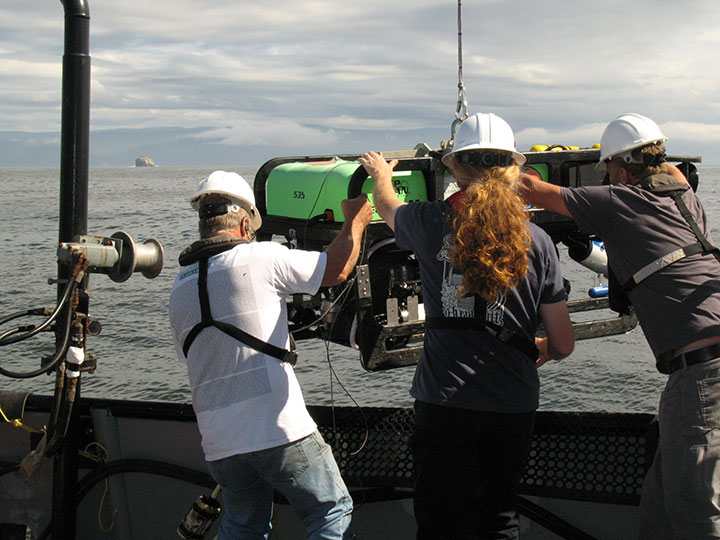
(229, 321)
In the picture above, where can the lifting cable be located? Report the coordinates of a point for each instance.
(462, 105)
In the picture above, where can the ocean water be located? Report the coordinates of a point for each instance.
(136, 359)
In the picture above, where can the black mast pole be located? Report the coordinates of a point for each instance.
(75, 122)
(75, 131)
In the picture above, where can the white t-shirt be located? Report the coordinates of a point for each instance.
(245, 400)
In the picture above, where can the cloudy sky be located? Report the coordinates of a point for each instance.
(238, 81)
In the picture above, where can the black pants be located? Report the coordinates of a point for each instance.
(467, 468)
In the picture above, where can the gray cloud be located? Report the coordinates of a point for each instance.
(324, 73)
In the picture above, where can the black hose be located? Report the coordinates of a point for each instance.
(53, 362)
(15, 331)
(148, 466)
(58, 400)
(67, 293)
(86, 483)
(159, 468)
(56, 436)
(550, 521)
(35, 311)
(6, 468)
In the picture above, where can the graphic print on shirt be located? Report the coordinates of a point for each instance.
(465, 306)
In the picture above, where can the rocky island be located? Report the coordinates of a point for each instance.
(144, 161)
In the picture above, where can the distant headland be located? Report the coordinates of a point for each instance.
(144, 161)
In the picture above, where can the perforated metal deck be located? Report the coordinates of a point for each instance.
(579, 456)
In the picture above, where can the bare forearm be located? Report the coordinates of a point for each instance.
(384, 197)
(560, 333)
(342, 253)
(556, 353)
(542, 194)
(385, 200)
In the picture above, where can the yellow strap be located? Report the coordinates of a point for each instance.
(17, 423)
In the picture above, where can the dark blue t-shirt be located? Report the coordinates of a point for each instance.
(468, 368)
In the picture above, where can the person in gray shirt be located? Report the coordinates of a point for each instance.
(662, 262)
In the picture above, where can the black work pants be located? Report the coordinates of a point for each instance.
(467, 468)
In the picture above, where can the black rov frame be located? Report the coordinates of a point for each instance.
(381, 317)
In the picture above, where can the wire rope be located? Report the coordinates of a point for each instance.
(462, 104)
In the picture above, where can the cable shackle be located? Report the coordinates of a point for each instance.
(461, 106)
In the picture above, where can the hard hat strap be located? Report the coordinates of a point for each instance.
(217, 209)
(634, 156)
(487, 159)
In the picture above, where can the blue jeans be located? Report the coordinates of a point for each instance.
(681, 493)
(304, 471)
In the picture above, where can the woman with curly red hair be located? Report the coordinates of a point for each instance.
(489, 278)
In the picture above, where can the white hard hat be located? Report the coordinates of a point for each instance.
(484, 132)
(626, 133)
(234, 187)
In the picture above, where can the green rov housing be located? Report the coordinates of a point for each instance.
(315, 189)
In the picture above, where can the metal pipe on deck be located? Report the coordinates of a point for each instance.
(75, 132)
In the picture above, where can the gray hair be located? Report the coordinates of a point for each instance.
(213, 225)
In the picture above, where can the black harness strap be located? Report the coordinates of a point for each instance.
(685, 211)
(477, 323)
(281, 354)
(703, 245)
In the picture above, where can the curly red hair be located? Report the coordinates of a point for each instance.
(492, 236)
